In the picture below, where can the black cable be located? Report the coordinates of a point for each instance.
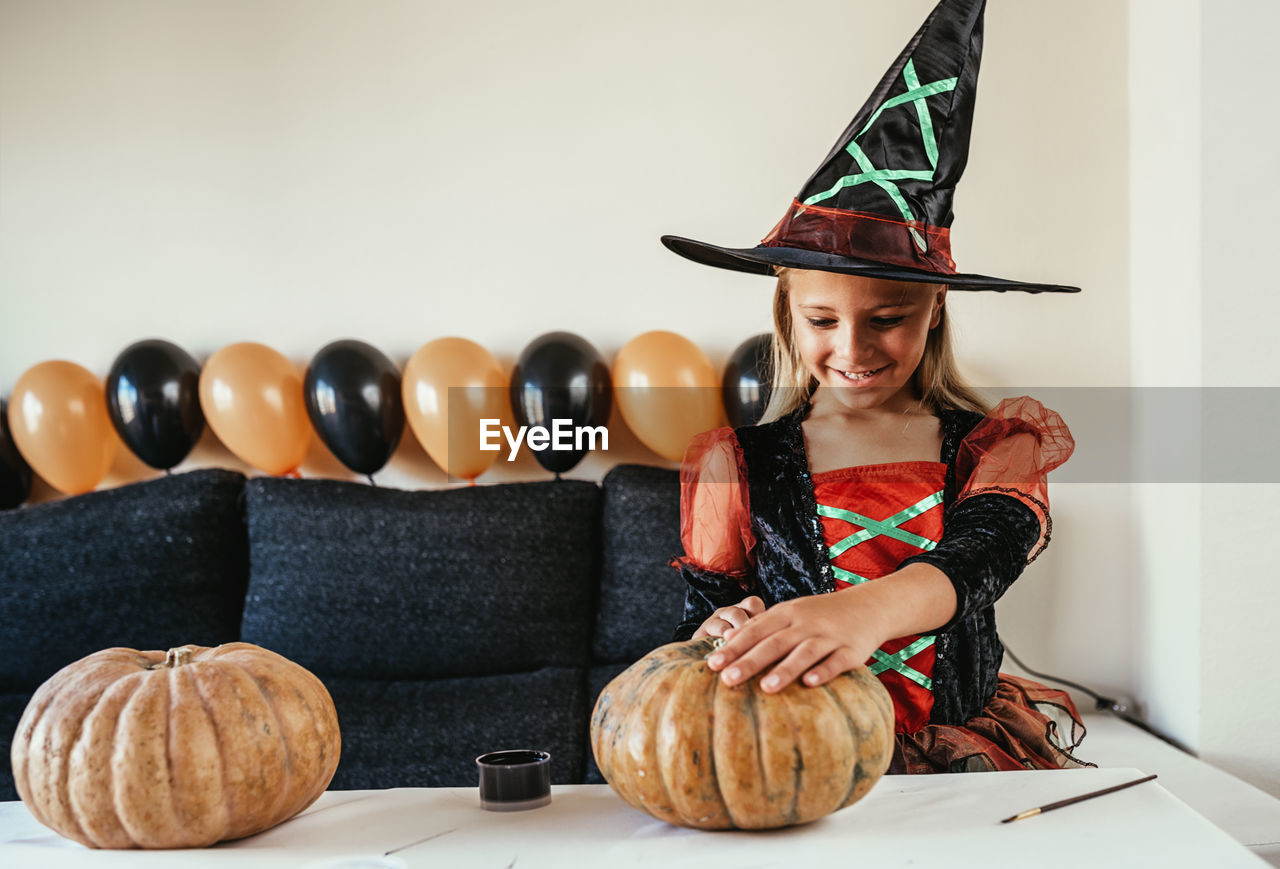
(1097, 697)
(1115, 707)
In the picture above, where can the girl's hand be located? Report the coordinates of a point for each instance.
(817, 637)
(729, 617)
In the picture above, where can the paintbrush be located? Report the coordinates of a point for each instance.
(1049, 807)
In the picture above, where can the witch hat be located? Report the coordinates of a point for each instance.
(880, 203)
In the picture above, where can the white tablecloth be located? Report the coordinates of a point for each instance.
(921, 821)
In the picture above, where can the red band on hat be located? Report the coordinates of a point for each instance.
(865, 236)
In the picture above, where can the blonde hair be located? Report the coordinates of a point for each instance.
(936, 379)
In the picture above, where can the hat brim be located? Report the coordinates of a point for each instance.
(763, 260)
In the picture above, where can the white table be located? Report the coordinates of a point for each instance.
(945, 820)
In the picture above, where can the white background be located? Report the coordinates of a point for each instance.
(298, 171)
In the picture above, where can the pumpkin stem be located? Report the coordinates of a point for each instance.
(174, 658)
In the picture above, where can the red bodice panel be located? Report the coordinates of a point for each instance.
(902, 506)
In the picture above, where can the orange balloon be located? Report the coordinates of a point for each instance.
(667, 391)
(251, 396)
(448, 386)
(59, 422)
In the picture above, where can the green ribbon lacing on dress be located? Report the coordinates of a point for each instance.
(872, 528)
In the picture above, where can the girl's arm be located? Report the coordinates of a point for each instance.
(1000, 521)
(989, 536)
(715, 529)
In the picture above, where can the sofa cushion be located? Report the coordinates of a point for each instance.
(352, 580)
(641, 596)
(148, 566)
(428, 734)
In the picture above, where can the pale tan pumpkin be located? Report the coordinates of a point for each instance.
(129, 749)
(674, 741)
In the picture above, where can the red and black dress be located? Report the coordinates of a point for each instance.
(755, 521)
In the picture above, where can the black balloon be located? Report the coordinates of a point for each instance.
(15, 473)
(560, 376)
(353, 398)
(153, 399)
(747, 383)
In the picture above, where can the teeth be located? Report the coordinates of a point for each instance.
(859, 375)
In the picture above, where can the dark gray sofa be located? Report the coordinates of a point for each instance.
(444, 623)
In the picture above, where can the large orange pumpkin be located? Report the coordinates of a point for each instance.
(674, 741)
(129, 749)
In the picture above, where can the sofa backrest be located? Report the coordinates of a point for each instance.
(146, 566)
(641, 595)
(351, 580)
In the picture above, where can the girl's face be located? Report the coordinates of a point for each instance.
(862, 338)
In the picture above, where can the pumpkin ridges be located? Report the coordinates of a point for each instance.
(38, 776)
(612, 721)
(798, 778)
(200, 679)
(736, 750)
(626, 782)
(606, 730)
(690, 785)
(855, 774)
(668, 749)
(45, 772)
(635, 763)
(616, 723)
(656, 758)
(301, 745)
(775, 750)
(874, 755)
(614, 727)
(250, 764)
(19, 755)
(306, 738)
(224, 807)
(71, 696)
(827, 748)
(141, 785)
(273, 727)
(195, 762)
(90, 785)
(649, 680)
(778, 753)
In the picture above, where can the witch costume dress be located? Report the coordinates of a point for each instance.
(755, 521)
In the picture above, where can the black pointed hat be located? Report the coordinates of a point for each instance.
(880, 203)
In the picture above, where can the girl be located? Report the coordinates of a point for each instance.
(878, 468)
(881, 508)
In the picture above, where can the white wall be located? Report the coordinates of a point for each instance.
(1164, 304)
(1240, 182)
(298, 171)
(1203, 175)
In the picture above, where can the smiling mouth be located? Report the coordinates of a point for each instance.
(859, 376)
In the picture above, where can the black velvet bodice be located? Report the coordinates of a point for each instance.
(985, 542)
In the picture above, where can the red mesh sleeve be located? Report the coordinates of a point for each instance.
(715, 516)
(1012, 450)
